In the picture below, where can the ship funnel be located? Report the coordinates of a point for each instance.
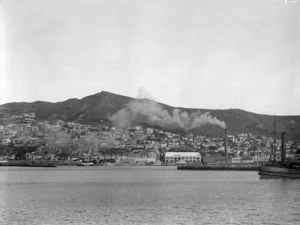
(225, 136)
(283, 149)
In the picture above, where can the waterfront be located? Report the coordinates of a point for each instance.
(144, 195)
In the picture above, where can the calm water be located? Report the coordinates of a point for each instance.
(144, 195)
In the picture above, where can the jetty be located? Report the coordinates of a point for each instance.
(221, 166)
(28, 163)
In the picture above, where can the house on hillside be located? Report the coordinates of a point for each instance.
(6, 141)
(140, 156)
(149, 131)
(139, 130)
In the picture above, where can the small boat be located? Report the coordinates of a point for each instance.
(269, 171)
(86, 164)
(284, 168)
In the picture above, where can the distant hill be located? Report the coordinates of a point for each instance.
(96, 109)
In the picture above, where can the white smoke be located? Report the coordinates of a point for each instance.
(199, 120)
(153, 113)
(60, 136)
(142, 93)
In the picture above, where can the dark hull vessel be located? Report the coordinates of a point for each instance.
(272, 171)
(86, 164)
(283, 169)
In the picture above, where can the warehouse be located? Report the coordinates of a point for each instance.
(175, 157)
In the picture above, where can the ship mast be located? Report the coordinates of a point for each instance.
(274, 141)
(226, 154)
(283, 149)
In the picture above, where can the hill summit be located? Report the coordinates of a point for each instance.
(107, 108)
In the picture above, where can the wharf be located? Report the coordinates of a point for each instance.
(220, 166)
(28, 163)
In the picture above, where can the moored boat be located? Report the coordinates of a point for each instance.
(284, 169)
(272, 171)
(86, 164)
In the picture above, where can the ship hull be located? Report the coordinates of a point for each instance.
(86, 164)
(278, 172)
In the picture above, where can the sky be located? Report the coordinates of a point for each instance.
(210, 54)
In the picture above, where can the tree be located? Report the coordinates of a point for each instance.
(20, 152)
(241, 154)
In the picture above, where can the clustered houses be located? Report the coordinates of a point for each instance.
(130, 145)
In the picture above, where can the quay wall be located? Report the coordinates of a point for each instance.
(229, 166)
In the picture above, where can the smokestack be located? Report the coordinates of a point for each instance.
(274, 143)
(225, 131)
(282, 147)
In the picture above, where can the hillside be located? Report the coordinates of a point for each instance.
(107, 108)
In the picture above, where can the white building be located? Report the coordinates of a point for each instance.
(174, 157)
(149, 131)
(6, 141)
(236, 160)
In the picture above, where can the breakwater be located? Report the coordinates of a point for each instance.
(221, 166)
(28, 163)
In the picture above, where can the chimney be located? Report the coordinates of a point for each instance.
(274, 142)
(283, 147)
(225, 131)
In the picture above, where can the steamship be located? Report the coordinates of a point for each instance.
(284, 168)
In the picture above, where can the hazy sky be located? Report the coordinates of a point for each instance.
(191, 53)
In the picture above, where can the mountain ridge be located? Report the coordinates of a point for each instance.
(98, 108)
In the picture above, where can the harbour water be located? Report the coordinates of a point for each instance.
(144, 195)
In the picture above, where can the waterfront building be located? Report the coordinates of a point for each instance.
(236, 160)
(174, 157)
(216, 159)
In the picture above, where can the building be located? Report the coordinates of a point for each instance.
(149, 131)
(139, 130)
(174, 157)
(32, 115)
(138, 157)
(216, 159)
(236, 160)
(6, 141)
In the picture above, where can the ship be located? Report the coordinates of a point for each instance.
(86, 163)
(280, 169)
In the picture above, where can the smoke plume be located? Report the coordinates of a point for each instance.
(60, 136)
(153, 113)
